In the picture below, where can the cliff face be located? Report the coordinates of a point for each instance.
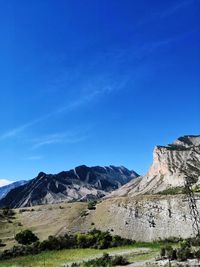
(142, 218)
(172, 164)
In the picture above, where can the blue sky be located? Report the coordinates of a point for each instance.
(95, 82)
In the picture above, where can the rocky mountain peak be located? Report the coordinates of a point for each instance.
(81, 183)
(188, 141)
(172, 164)
(41, 174)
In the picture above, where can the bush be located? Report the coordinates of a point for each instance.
(7, 212)
(168, 252)
(85, 240)
(1, 243)
(92, 239)
(162, 252)
(92, 205)
(119, 260)
(194, 241)
(106, 261)
(184, 252)
(26, 237)
(84, 213)
(197, 254)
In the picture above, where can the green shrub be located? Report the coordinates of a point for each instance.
(26, 237)
(1, 243)
(84, 213)
(184, 252)
(119, 260)
(197, 254)
(168, 252)
(162, 252)
(106, 261)
(92, 205)
(92, 239)
(172, 191)
(194, 241)
(7, 212)
(85, 240)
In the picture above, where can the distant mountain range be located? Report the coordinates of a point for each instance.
(79, 184)
(7, 188)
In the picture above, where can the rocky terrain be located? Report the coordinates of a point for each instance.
(7, 188)
(81, 183)
(141, 218)
(147, 208)
(172, 164)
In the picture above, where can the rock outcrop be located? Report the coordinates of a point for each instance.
(80, 184)
(172, 164)
(141, 218)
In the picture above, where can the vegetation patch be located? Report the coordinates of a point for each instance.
(104, 261)
(172, 191)
(183, 252)
(93, 239)
(92, 205)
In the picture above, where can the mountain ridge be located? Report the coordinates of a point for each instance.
(80, 184)
(4, 190)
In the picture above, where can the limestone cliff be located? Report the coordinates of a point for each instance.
(172, 164)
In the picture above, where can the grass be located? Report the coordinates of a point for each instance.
(8, 228)
(151, 245)
(52, 219)
(59, 258)
(142, 257)
(172, 191)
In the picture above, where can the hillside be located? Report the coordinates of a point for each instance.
(80, 184)
(142, 209)
(142, 218)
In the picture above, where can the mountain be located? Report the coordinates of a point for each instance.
(172, 164)
(6, 188)
(4, 182)
(81, 183)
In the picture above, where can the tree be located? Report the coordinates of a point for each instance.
(26, 237)
(92, 205)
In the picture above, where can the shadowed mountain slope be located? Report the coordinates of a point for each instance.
(81, 183)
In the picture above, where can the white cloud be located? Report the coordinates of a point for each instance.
(5, 182)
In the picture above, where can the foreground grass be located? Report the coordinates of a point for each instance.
(142, 256)
(59, 258)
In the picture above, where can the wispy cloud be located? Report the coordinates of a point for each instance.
(36, 157)
(135, 52)
(166, 13)
(64, 109)
(173, 9)
(58, 138)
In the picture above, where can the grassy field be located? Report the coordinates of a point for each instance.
(42, 220)
(61, 258)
